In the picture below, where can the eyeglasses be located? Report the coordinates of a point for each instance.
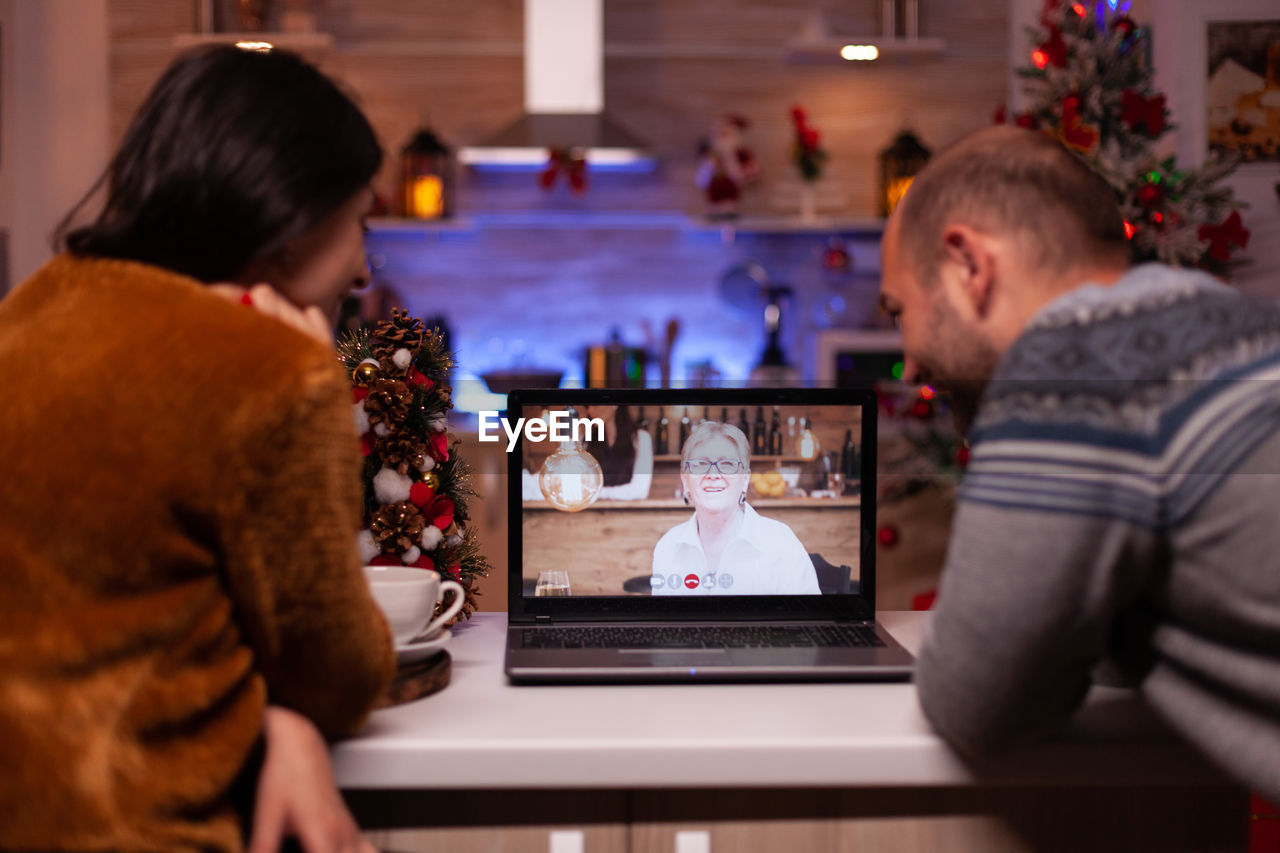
(724, 467)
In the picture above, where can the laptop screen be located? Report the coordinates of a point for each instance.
(670, 496)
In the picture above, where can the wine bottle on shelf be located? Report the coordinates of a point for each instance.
(684, 429)
(743, 425)
(775, 434)
(849, 462)
(660, 440)
(759, 435)
(642, 421)
(724, 415)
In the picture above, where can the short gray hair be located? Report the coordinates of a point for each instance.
(708, 430)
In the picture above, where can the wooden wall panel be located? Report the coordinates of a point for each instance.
(460, 68)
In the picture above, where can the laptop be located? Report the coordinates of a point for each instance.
(686, 535)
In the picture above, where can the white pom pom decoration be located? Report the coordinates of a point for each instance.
(427, 464)
(438, 424)
(402, 358)
(362, 418)
(366, 546)
(453, 541)
(381, 429)
(411, 556)
(390, 487)
(431, 537)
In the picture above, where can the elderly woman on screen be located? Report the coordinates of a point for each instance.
(726, 548)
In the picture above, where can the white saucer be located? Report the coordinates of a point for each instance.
(422, 649)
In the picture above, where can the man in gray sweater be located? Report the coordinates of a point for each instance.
(1122, 502)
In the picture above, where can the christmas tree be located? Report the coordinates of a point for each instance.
(1091, 86)
(416, 485)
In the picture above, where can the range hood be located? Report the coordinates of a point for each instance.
(563, 96)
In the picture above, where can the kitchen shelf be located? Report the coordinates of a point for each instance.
(627, 220)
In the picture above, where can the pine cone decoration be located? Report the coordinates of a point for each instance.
(402, 450)
(396, 527)
(401, 331)
(388, 401)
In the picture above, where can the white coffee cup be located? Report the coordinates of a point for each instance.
(409, 596)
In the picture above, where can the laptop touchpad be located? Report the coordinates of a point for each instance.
(673, 657)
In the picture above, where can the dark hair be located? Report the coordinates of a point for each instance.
(1020, 183)
(233, 154)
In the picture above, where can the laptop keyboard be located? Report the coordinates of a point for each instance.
(701, 637)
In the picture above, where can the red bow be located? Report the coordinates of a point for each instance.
(1220, 237)
(1055, 49)
(1139, 111)
(438, 446)
(568, 160)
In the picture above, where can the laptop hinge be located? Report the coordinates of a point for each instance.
(542, 620)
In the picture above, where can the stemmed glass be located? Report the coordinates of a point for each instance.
(552, 583)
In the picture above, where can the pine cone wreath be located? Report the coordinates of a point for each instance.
(388, 401)
(396, 527)
(402, 450)
(400, 332)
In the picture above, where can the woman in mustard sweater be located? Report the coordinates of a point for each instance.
(180, 494)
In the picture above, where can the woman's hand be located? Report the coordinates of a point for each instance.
(267, 300)
(296, 792)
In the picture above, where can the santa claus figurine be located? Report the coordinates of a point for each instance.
(725, 165)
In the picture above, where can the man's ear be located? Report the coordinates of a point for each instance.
(972, 265)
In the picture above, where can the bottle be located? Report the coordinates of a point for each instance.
(849, 458)
(743, 425)
(660, 439)
(642, 422)
(759, 438)
(724, 415)
(775, 434)
(684, 428)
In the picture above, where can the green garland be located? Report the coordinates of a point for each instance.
(414, 480)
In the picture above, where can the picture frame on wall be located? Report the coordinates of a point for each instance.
(1219, 65)
(1243, 89)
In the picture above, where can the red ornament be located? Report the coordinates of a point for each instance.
(1026, 121)
(887, 535)
(438, 446)
(1149, 195)
(366, 446)
(922, 409)
(1140, 112)
(417, 377)
(440, 512)
(799, 116)
(1124, 25)
(1221, 237)
(385, 560)
(962, 456)
(358, 394)
(423, 562)
(420, 494)
(454, 571)
(925, 600)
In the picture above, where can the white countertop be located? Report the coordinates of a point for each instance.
(481, 732)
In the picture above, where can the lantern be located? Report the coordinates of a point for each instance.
(426, 177)
(899, 164)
